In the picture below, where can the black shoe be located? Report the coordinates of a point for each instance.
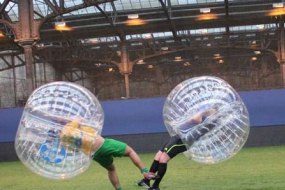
(154, 188)
(144, 183)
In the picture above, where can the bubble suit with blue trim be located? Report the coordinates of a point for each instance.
(48, 110)
(229, 123)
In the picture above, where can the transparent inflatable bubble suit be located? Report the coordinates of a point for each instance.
(47, 110)
(229, 122)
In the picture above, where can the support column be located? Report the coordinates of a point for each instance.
(26, 35)
(282, 52)
(127, 86)
(26, 18)
(159, 79)
(14, 80)
(282, 70)
(29, 68)
(125, 68)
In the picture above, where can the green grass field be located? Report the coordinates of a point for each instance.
(251, 169)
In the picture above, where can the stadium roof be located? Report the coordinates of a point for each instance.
(150, 29)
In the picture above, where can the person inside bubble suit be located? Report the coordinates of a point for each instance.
(175, 145)
(75, 136)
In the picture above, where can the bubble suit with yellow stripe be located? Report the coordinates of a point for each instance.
(57, 129)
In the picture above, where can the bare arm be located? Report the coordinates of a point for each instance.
(198, 117)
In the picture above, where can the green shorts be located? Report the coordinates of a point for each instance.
(109, 149)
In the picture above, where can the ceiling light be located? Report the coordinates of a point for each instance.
(277, 5)
(205, 10)
(133, 16)
(39, 45)
(164, 48)
(221, 61)
(253, 58)
(217, 56)
(61, 26)
(2, 35)
(140, 62)
(187, 64)
(98, 64)
(207, 16)
(257, 52)
(150, 66)
(276, 12)
(134, 20)
(278, 9)
(177, 58)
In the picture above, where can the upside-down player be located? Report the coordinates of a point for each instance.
(86, 139)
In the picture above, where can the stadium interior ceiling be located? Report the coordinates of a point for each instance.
(123, 43)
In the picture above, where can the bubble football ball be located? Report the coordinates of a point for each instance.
(48, 110)
(221, 132)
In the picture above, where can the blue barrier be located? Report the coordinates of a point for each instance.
(265, 107)
(9, 120)
(136, 116)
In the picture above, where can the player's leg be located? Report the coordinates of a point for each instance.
(136, 160)
(161, 170)
(113, 177)
(155, 164)
(173, 148)
(105, 159)
(107, 163)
